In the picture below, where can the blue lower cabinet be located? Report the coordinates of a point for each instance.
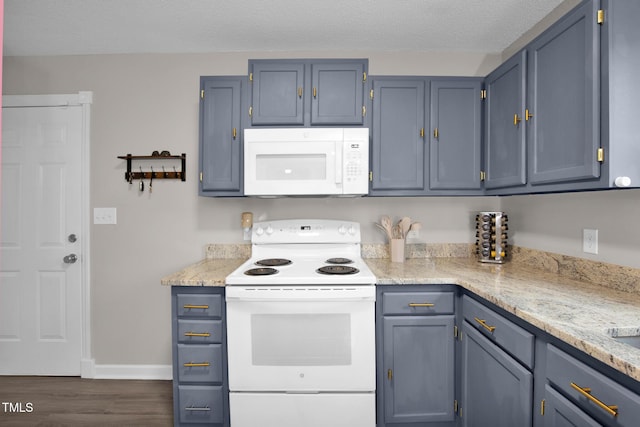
(200, 381)
(416, 358)
(497, 390)
(559, 411)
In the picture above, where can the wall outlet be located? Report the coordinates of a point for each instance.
(590, 241)
(105, 216)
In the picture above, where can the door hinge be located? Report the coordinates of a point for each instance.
(483, 175)
(364, 76)
(435, 133)
(251, 77)
(455, 331)
(600, 17)
(200, 176)
(201, 93)
(250, 111)
(455, 406)
(483, 94)
(601, 155)
(371, 176)
(542, 407)
(371, 94)
(364, 111)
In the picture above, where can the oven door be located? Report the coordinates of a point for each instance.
(295, 339)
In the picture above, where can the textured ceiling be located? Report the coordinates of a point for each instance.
(74, 27)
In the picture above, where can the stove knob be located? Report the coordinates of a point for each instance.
(259, 231)
(352, 230)
(342, 229)
(269, 230)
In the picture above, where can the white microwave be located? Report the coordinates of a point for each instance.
(306, 161)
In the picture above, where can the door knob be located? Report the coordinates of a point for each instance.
(70, 259)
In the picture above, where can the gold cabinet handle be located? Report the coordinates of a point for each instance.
(191, 306)
(196, 365)
(516, 119)
(315, 92)
(586, 392)
(527, 115)
(300, 92)
(421, 304)
(234, 133)
(197, 334)
(483, 323)
(389, 374)
(197, 408)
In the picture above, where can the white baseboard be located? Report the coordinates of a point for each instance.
(131, 372)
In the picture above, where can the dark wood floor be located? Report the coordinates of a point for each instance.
(72, 401)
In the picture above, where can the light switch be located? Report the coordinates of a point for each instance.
(104, 216)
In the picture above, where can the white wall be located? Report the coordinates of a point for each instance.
(150, 102)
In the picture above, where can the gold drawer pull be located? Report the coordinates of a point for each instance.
(483, 323)
(421, 304)
(197, 334)
(195, 408)
(191, 306)
(586, 392)
(197, 365)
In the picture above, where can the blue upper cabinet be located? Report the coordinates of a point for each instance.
(277, 93)
(221, 102)
(505, 143)
(305, 92)
(563, 92)
(337, 93)
(455, 147)
(398, 155)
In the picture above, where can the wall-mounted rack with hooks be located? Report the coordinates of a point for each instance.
(159, 172)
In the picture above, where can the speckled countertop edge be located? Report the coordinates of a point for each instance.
(577, 312)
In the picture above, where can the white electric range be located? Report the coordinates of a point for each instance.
(301, 328)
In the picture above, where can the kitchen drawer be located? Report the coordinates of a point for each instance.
(566, 373)
(417, 303)
(195, 331)
(199, 305)
(200, 363)
(200, 404)
(515, 340)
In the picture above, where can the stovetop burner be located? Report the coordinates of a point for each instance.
(273, 262)
(339, 261)
(337, 269)
(262, 271)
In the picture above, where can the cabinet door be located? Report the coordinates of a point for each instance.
(277, 93)
(564, 87)
(505, 155)
(221, 135)
(398, 154)
(418, 363)
(560, 412)
(337, 93)
(496, 390)
(455, 134)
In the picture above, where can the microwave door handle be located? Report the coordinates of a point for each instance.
(338, 158)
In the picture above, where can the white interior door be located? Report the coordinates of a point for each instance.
(41, 292)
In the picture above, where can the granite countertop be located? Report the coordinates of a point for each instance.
(578, 312)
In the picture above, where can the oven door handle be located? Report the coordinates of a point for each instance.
(298, 300)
